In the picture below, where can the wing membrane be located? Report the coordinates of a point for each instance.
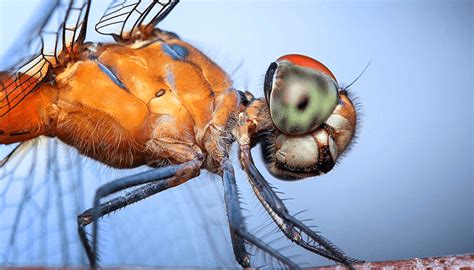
(65, 31)
(124, 19)
(15, 86)
(57, 37)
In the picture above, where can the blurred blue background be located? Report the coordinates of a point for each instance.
(406, 188)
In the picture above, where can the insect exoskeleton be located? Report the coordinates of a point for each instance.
(314, 119)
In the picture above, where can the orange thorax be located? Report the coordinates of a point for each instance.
(118, 97)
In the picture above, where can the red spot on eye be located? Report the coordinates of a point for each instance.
(305, 61)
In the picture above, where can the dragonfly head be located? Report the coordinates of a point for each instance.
(313, 119)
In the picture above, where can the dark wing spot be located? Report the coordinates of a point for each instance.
(303, 103)
(160, 92)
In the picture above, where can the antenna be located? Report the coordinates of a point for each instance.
(360, 75)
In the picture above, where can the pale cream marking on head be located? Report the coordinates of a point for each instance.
(332, 149)
(322, 137)
(338, 122)
(298, 152)
(343, 129)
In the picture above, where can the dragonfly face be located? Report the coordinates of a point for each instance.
(313, 119)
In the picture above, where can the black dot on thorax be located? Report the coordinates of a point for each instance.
(160, 92)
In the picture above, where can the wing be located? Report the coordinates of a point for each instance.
(54, 40)
(46, 185)
(126, 19)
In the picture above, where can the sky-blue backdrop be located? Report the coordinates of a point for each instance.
(406, 188)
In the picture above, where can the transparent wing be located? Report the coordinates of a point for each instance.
(64, 33)
(53, 41)
(40, 191)
(46, 184)
(29, 42)
(17, 83)
(125, 19)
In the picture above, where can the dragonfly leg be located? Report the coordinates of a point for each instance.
(238, 231)
(292, 228)
(157, 179)
(234, 215)
(105, 208)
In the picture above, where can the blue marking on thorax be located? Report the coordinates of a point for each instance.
(111, 75)
(170, 78)
(175, 51)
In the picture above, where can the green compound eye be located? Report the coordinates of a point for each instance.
(301, 98)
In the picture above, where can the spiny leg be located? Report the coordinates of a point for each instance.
(169, 176)
(105, 208)
(234, 215)
(238, 231)
(293, 229)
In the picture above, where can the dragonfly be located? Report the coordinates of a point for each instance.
(149, 98)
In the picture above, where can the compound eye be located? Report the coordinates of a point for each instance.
(301, 93)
